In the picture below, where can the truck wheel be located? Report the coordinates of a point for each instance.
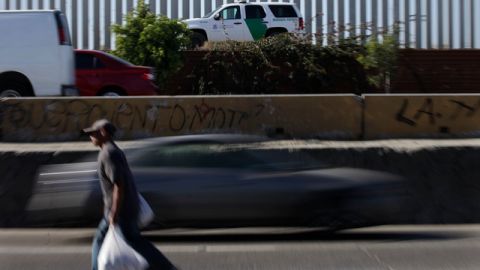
(13, 89)
(198, 40)
(275, 33)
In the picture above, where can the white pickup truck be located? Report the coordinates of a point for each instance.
(244, 21)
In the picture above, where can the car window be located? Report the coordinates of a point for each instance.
(87, 61)
(283, 11)
(254, 12)
(189, 155)
(231, 13)
(222, 156)
(84, 61)
(99, 63)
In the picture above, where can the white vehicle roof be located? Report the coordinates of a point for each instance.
(253, 3)
(260, 3)
(27, 11)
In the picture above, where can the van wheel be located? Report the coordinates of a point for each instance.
(198, 40)
(13, 89)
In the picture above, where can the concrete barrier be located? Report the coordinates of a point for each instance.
(298, 116)
(407, 116)
(60, 119)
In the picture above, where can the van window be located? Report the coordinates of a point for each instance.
(62, 28)
(231, 13)
(255, 12)
(87, 61)
(283, 11)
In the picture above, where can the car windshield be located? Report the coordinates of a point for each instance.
(208, 15)
(213, 155)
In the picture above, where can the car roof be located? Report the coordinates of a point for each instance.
(112, 59)
(222, 138)
(28, 11)
(89, 51)
(259, 3)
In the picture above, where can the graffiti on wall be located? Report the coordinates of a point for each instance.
(436, 112)
(63, 116)
(210, 117)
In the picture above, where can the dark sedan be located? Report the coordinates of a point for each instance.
(225, 181)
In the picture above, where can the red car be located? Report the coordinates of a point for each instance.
(102, 74)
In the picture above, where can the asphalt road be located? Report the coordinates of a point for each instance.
(386, 247)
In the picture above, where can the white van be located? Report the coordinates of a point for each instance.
(36, 54)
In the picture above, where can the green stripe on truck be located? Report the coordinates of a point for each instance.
(256, 27)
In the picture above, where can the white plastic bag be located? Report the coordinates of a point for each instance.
(116, 254)
(146, 215)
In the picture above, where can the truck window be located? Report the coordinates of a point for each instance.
(231, 13)
(283, 11)
(255, 12)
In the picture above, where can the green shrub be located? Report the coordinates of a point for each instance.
(150, 40)
(380, 61)
(279, 64)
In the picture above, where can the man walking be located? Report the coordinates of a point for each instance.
(121, 205)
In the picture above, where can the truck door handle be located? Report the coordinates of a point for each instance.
(237, 23)
(264, 22)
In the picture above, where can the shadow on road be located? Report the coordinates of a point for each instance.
(310, 236)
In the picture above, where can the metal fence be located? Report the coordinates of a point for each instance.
(422, 23)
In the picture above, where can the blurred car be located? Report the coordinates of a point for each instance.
(102, 74)
(226, 181)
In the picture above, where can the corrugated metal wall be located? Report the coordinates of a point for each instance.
(423, 23)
